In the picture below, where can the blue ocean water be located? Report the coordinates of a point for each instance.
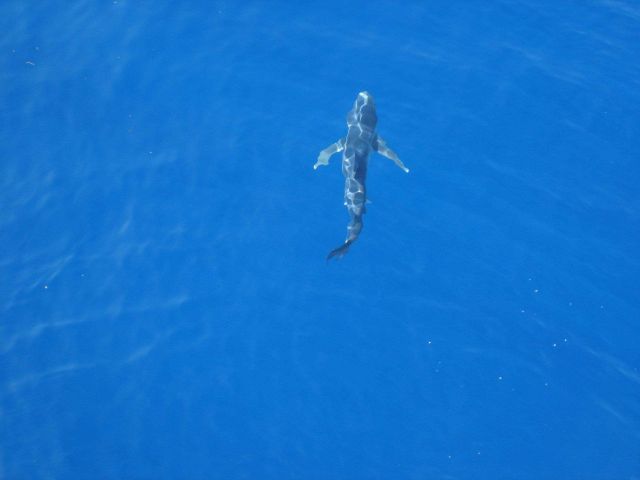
(166, 307)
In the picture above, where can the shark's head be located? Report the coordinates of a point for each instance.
(363, 112)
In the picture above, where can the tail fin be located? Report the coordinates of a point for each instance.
(341, 250)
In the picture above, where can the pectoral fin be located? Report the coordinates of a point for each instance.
(323, 157)
(381, 147)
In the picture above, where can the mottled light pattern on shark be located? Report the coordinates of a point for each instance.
(355, 147)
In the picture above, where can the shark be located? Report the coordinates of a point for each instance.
(360, 141)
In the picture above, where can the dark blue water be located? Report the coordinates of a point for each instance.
(166, 310)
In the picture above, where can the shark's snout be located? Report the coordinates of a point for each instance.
(365, 97)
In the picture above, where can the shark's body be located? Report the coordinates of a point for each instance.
(361, 139)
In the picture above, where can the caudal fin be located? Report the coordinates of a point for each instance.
(341, 250)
